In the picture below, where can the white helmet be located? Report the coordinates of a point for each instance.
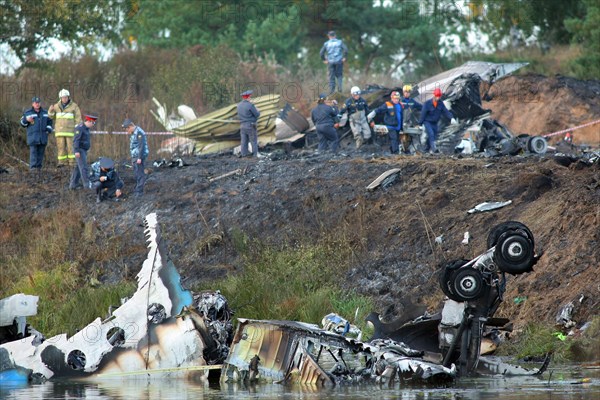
(63, 93)
(355, 90)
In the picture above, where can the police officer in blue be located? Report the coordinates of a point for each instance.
(334, 53)
(38, 125)
(324, 116)
(138, 148)
(248, 116)
(432, 112)
(105, 180)
(81, 145)
(392, 118)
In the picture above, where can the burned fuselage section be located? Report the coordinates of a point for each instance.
(299, 353)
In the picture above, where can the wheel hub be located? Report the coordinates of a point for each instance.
(515, 249)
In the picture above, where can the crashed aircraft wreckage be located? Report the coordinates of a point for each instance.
(219, 130)
(165, 330)
(155, 330)
(476, 131)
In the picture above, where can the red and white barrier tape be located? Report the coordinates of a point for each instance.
(570, 129)
(127, 133)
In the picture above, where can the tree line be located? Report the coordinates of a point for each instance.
(383, 37)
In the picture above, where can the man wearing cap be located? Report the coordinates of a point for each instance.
(357, 109)
(248, 116)
(432, 112)
(105, 180)
(392, 118)
(138, 147)
(324, 116)
(66, 116)
(81, 144)
(38, 125)
(409, 105)
(334, 53)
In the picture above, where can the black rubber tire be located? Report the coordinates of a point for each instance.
(498, 230)
(537, 145)
(514, 253)
(467, 284)
(444, 278)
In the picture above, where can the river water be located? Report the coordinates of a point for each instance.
(572, 382)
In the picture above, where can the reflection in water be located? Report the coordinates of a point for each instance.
(574, 383)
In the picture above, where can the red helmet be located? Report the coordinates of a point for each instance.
(437, 92)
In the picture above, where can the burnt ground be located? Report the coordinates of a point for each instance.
(302, 195)
(297, 195)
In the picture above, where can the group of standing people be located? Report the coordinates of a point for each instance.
(73, 141)
(326, 118)
(334, 53)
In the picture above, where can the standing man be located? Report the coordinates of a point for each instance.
(333, 53)
(138, 147)
(357, 109)
(392, 118)
(38, 125)
(430, 117)
(248, 116)
(81, 144)
(324, 116)
(66, 116)
(409, 117)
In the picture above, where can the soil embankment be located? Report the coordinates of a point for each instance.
(392, 230)
(294, 195)
(538, 105)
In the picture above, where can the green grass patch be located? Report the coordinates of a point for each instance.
(538, 340)
(300, 283)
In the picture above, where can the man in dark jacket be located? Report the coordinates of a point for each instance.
(81, 144)
(105, 180)
(431, 114)
(38, 125)
(392, 118)
(248, 116)
(324, 116)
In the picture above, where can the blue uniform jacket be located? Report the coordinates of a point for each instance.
(247, 112)
(138, 145)
(408, 103)
(112, 176)
(82, 139)
(433, 114)
(38, 130)
(392, 115)
(323, 114)
(335, 50)
(351, 106)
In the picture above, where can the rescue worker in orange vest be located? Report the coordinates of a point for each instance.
(430, 117)
(392, 118)
(66, 116)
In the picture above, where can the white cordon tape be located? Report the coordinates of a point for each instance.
(127, 133)
(571, 129)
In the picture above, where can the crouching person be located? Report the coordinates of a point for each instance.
(105, 180)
